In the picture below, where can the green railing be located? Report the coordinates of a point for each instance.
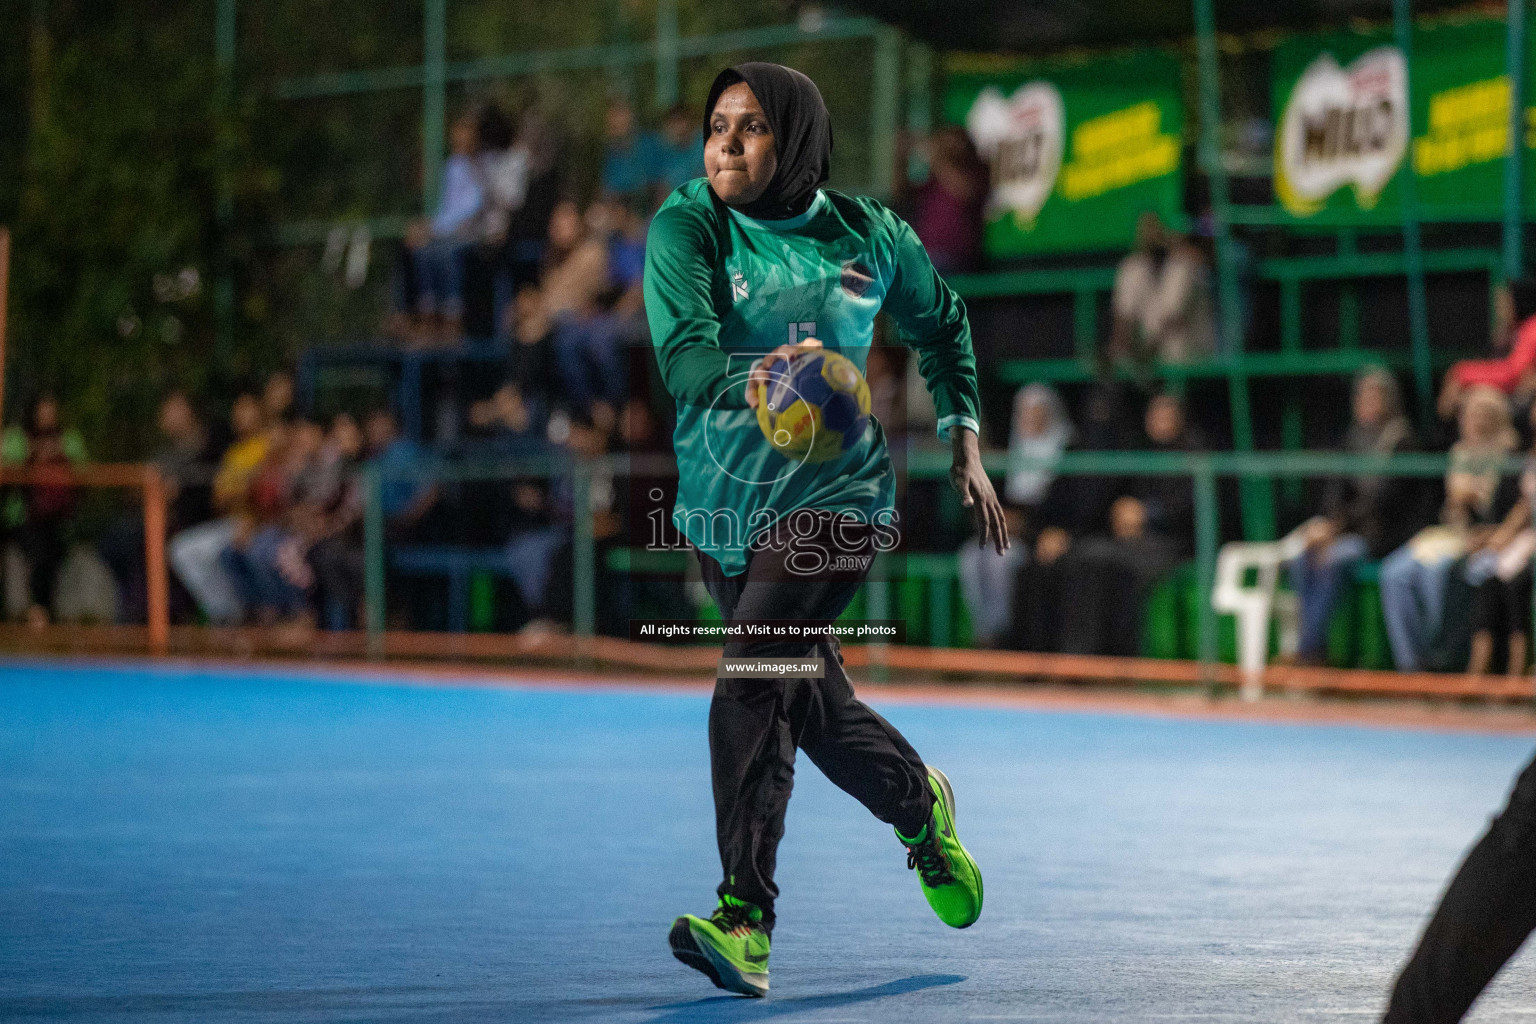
(1204, 469)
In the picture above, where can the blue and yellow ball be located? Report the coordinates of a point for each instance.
(815, 408)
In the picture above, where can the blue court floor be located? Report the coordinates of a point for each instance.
(211, 846)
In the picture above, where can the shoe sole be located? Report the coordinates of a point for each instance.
(703, 958)
(949, 806)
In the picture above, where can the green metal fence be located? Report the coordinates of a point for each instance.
(1204, 469)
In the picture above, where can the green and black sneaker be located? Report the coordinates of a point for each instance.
(731, 947)
(948, 874)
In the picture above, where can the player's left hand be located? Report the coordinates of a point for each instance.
(975, 489)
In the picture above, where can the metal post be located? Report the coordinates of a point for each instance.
(1258, 495)
(5, 291)
(1413, 253)
(1514, 160)
(157, 598)
(885, 115)
(1207, 534)
(373, 560)
(1085, 324)
(434, 102)
(224, 41)
(919, 104)
(667, 54)
(1349, 297)
(584, 557)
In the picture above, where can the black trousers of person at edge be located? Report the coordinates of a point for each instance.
(756, 725)
(1486, 913)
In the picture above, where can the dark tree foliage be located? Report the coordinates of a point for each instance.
(127, 146)
(136, 177)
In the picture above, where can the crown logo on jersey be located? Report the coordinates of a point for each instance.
(739, 285)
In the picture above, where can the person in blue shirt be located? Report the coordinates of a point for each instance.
(630, 161)
(679, 152)
(404, 500)
(438, 246)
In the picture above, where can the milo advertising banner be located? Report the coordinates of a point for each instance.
(1342, 112)
(1077, 151)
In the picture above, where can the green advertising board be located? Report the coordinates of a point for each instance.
(1342, 107)
(1078, 151)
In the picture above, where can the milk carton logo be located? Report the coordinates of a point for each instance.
(1342, 126)
(1022, 137)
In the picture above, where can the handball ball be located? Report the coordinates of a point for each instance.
(815, 407)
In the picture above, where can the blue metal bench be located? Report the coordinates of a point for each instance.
(455, 562)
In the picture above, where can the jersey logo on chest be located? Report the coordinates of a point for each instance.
(739, 286)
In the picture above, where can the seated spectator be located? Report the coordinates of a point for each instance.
(1500, 575)
(433, 305)
(946, 210)
(1085, 594)
(37, 515)
(566, 309)
(1040, 430)
(185, 465)
(277, 397)
(1478, 496)
(405, 499)
(631, 157)
(679, 154)
(1363, 517)
(503, 166)
(1162, 299)
(527, 228)
(273, 582)
(327, 521)
(196, 553)
(1514, 332)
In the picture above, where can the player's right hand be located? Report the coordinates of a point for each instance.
(760, 376)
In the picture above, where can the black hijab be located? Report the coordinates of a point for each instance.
(802, 135)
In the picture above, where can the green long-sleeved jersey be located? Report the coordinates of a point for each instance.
(723, 289)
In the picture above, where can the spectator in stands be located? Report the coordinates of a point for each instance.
(504, 166)
(1105, 579)
(566, 309)
(437, 247)
(271, 580)
(679, 153)
(405, 500)
(1514, 333)
(196, 552)
(643, 502)
(1500, 574)
(1162, 299)
(277, 397)
(1362, 517)
(946, 210)
(1041, 432)
(185, 465)
(527, 228)
(1066, 521)
(329, 520)
(1478, 496)
(623, 230)
(37, 515)
(631, 158)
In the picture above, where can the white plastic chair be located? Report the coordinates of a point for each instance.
(1256, 604)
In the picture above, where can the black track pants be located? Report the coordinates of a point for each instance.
(1484, 916)
(755, 725)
